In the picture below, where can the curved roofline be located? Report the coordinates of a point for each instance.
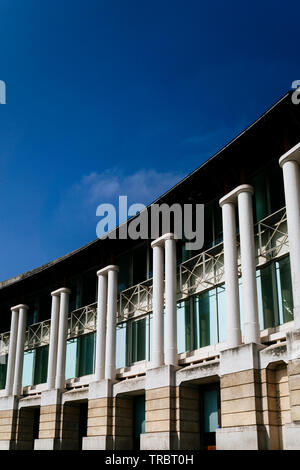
(45, 266)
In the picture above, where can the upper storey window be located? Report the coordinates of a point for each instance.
(268, 191)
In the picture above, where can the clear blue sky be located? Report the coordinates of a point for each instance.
(109, 97)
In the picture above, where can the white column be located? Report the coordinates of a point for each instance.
(110, 356)
(158, 304)
(62, 337)
(12, 351)
(170, 295)
(17, 386)
(291, 178)
(248, 261)
(101, 325)
(233, 327)
(53, 341)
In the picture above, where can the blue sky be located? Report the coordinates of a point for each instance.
(109, 97)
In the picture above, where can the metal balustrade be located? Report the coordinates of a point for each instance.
(4, 343)
(83, 320)
(37, 334)
(272, 235)
(137, 298)
(205, 270)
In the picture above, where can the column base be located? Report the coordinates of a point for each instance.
(46, 444)
(292, 436)
(158, 441)
(7, 445)
(97, 443)
(241, 438)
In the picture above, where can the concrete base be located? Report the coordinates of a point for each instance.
(51, 397)
(7, 445)
(292, 436)
(97, 443)
(158, 441)
(101, 389)
(240, 438)
(46, 444)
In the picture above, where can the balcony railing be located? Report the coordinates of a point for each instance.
(137, 298)
(272, 235)
(82, 321)
(37, 334)
(4, 343)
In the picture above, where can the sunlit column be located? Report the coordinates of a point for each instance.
(62, 337)
(158, 303)
(248, 262)
(101, 324)
(170, 295)
(110, 355)
(12, 351)
(17, 386)
(289, 163)
(233, 328)
(53, 340)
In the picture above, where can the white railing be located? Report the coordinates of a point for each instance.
(4, 343)
(272, 235)
(83, 320)
(204, 270)
(137, 298)
(37, 334)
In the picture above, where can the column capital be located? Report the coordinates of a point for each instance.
(110, 267)
(161, 240)
(19, 306)
(291, 155)
(62, 290)
(231, 198)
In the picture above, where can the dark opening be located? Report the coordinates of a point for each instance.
(83, 419)
(138, 420)
(209, 415)
(36, 423)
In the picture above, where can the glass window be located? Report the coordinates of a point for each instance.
(121, 345)
(210, 406)
(183, 326)
(3, 368)
(85, 352)
(276, 190)
(138, 419)
(139, 262)
(41, 365)
(71, 356)
(28, 365)
(259, 184)
(284, 290)
(221, 313)
(124, 263)
(88, 290)
(208, 226)
(267, 307)
(205, 319)
(138, 341)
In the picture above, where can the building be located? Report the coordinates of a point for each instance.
(97, 352)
